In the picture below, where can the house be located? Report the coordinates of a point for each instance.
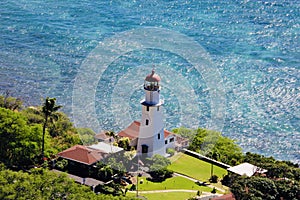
(81, 159)
(103, 137)
(246, 169)
(171, 140)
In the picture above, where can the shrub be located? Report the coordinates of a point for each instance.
(214, 179)
(171, 151)
(214, 191)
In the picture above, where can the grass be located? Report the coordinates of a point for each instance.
(195, 168)
(165, 196)
(172, 183)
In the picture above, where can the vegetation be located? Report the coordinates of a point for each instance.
(158, 167)
(22, 135)
(10, 102)
(49, 108)
(276, 169)
(176, 182)
(264, 188)
(212, 144)
(42, 184)
(29, 133)
(193, 167)
(166, 195)
(20, 142)
(171, 151)
(281, 180)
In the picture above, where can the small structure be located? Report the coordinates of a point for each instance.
(246, 169)
(103, 137)
(81, 158)
(106, 148)
(91, 182)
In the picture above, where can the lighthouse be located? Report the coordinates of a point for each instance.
(151, 134)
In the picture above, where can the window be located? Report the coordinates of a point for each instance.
(172, 140)
(166, 141)
(157, 108)
(158, 136)
(147, 108)
(144, 148)
(147, 122)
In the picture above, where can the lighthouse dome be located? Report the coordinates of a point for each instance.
(152, 77)
(152, 82)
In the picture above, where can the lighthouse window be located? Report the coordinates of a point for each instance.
(147, 108)
(172, 140)
(166, 141)
(158, 136)
(147, 122)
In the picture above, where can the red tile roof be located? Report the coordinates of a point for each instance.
(132, 131)
(102, 135)
(167, 133)
(82, 154)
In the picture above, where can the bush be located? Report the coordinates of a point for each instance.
(133, 187)
(214, 179)
(170, 151)
(214, 191)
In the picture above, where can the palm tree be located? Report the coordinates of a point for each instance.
(48, 109)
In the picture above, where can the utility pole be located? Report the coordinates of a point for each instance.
(137, 177)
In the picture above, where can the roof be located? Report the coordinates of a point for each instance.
(246, 169)
(152, 77)
(102, 136)
(132, 131)
(82, 154)
(86, 181)
(107, 148)
(225, 197)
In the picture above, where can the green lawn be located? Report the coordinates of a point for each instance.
(166, 195)
(194, 167)
(172, 183)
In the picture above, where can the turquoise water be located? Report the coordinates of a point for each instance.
(254, 46)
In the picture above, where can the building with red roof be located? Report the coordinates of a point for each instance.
(82, 154)
(171, 140)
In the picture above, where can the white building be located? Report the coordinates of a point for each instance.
(151, 134)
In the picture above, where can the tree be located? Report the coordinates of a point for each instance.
(158, 167)
(250, 188)
(87, 136)
(19, 142)
(9, 102)
(214, 179)
(43, 184)
(48, 109)
(124, 143)
(214, 145)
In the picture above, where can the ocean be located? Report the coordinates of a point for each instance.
(231, 66)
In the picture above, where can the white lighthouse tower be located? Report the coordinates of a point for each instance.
(151, 135)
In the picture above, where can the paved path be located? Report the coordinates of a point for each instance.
(195, 180)
(203, 194)
(161, 191)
